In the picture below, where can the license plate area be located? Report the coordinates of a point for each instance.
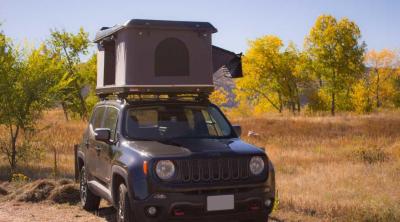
(220, 202)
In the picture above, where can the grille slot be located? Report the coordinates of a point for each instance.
(212, 170)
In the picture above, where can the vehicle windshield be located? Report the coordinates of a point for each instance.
(165, 122)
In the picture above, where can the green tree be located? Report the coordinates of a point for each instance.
(87, 72)
(270, 74)
(71, 47)
(29, 84)
(337, 54)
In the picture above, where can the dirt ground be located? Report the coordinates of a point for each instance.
(14, 211)
(48, 200)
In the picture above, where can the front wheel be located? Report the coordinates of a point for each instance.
(89, 201)
(124, 212)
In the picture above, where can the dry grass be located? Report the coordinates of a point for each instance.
(341, 168)
(53, 134)
(335, 168)
(43, 190)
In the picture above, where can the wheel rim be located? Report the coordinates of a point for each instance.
(83, 187)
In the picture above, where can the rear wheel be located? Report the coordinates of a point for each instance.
(124, 212)
(89, 201)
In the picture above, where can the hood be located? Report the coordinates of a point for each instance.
(198, 147)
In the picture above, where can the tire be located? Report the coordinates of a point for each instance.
(89, 201)
(124, 211)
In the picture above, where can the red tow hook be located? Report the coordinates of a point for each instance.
(254, 207)
(179, 212)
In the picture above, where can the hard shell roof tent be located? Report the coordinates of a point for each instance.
(153, 56)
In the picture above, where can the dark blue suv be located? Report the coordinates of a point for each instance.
(172, 160)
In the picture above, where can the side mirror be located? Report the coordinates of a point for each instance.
(238, 130)
(102, 134)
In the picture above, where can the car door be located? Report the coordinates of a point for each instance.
(92, 144)
(107, 149)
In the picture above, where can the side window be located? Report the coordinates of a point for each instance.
(223, 127)
(97, 118)
(110, 120)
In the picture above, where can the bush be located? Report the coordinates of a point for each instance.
(371, 155)
(65, 194)
(19, 178)
(3, 191)
(39, 191)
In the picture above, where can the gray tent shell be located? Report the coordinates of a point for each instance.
(160, 56)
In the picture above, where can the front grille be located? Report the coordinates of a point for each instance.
(212, 170)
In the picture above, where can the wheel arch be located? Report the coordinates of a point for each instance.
(119, 176)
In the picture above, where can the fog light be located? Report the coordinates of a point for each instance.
(268, 202)
(152, 211)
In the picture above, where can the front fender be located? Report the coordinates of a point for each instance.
(130, 167)
(271, 177)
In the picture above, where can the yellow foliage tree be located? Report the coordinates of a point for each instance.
(361, 97)
(336, 53)
(383, 71)
(219, 97)
(269, 75)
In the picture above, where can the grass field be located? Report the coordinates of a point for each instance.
(328, 168)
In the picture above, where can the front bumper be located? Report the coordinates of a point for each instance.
(191, 206)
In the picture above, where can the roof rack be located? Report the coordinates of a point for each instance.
(124, 91)
(149, 97)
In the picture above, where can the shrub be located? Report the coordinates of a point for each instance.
(66, 194)
(371, 155)
(19, 178)
(39, 191)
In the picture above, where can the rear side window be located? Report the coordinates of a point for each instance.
(97, 117)
(110, 120)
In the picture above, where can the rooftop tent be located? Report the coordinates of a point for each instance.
(154, 56)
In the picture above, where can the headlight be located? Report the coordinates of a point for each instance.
(165, 169)
(256, 165)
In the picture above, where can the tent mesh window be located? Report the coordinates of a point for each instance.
(109, 66)
(171, 58)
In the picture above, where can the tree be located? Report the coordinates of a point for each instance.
(71, 47)
(336, 52)
(219, 96)
(382, 73)
(29, 84)
(270, 74)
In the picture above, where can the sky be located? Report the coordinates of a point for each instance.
(237, 21)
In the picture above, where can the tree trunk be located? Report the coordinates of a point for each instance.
(298, 105)
(293, 107)
(65, 111)
(268, 99)
(378, 102)
(333, 104)
(14, 136)
(82, 101)
(55, 164)
(13, 157)
(280, 103)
